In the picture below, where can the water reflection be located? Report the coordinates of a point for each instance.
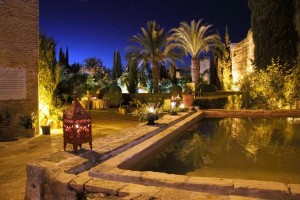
(233, 144)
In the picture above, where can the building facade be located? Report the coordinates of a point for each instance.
(19, 36)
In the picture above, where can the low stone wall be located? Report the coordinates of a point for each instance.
(49, 177)
(90, 174)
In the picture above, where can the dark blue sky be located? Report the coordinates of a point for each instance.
(96, 28)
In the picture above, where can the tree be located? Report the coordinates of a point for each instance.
(172, 73)
(132, 76)
(194, 39)
(274, 32)
(225, 63)
(50, 73)
(151, 46)
(63, 58)
(92, 65)
(117, 68)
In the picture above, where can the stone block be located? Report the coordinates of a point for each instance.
(137, 190)
(103, 186)
(173, 194)
(214, 185)
(260, 189)
(162, 179)
(79, 182)
(57, 184)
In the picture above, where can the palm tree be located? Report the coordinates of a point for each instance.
(92, 66)
(194, 39)
(151, 46)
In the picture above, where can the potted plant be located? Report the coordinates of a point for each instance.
(149, 112)
(46, 125)
(6, 131)
(5, 118)
(123, 109)
(28, 122)
(188, 96)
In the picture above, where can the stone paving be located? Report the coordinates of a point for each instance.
(103, 173)
(15, 154)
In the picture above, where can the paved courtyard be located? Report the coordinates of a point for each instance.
(14, 155)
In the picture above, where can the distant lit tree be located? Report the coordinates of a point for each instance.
(151, 46)
(225, 63)
(50, 72)
(274, 32)
(194, 39)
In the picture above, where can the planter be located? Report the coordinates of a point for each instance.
(7, 133)
(188, 100)
(46, 130)
(123, 111)
(29, 133)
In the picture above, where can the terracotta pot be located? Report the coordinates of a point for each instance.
(188, 100)
(29, 133)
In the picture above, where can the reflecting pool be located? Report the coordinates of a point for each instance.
(245, 148)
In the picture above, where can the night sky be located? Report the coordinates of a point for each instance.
(96, 28)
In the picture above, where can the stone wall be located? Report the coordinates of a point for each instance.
(19, 32)
(242, 55)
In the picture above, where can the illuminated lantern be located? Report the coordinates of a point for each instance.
(77, 126)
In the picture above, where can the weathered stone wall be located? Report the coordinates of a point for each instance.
(19, 31)
(242, 55)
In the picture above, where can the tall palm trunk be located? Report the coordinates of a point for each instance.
(195, 71)
(155, 74)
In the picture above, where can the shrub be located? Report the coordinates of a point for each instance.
(175, 89)
(272, 88)
(208, 88)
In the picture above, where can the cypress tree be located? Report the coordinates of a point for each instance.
(132, 76)
(61, 56)
(172, 74)
(117, 66)
(227, 64)
(67, 57)
(274, 32)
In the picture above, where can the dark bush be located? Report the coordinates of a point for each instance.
(211, 103)
(208, 88)
(115, 89)
(175, 89)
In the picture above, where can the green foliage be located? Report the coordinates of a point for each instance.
(28, 121)
(50, 73)
(194, 39)
(114, 96)
(175, 89)
(152, 46)
(132, 77)
(144, 110)
(271, 88)
(274, 33)
(208, 87)
(172, 74)
(218, 103)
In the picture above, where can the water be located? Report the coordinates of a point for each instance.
(253, 148)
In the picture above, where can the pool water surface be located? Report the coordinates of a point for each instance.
(237, 148)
